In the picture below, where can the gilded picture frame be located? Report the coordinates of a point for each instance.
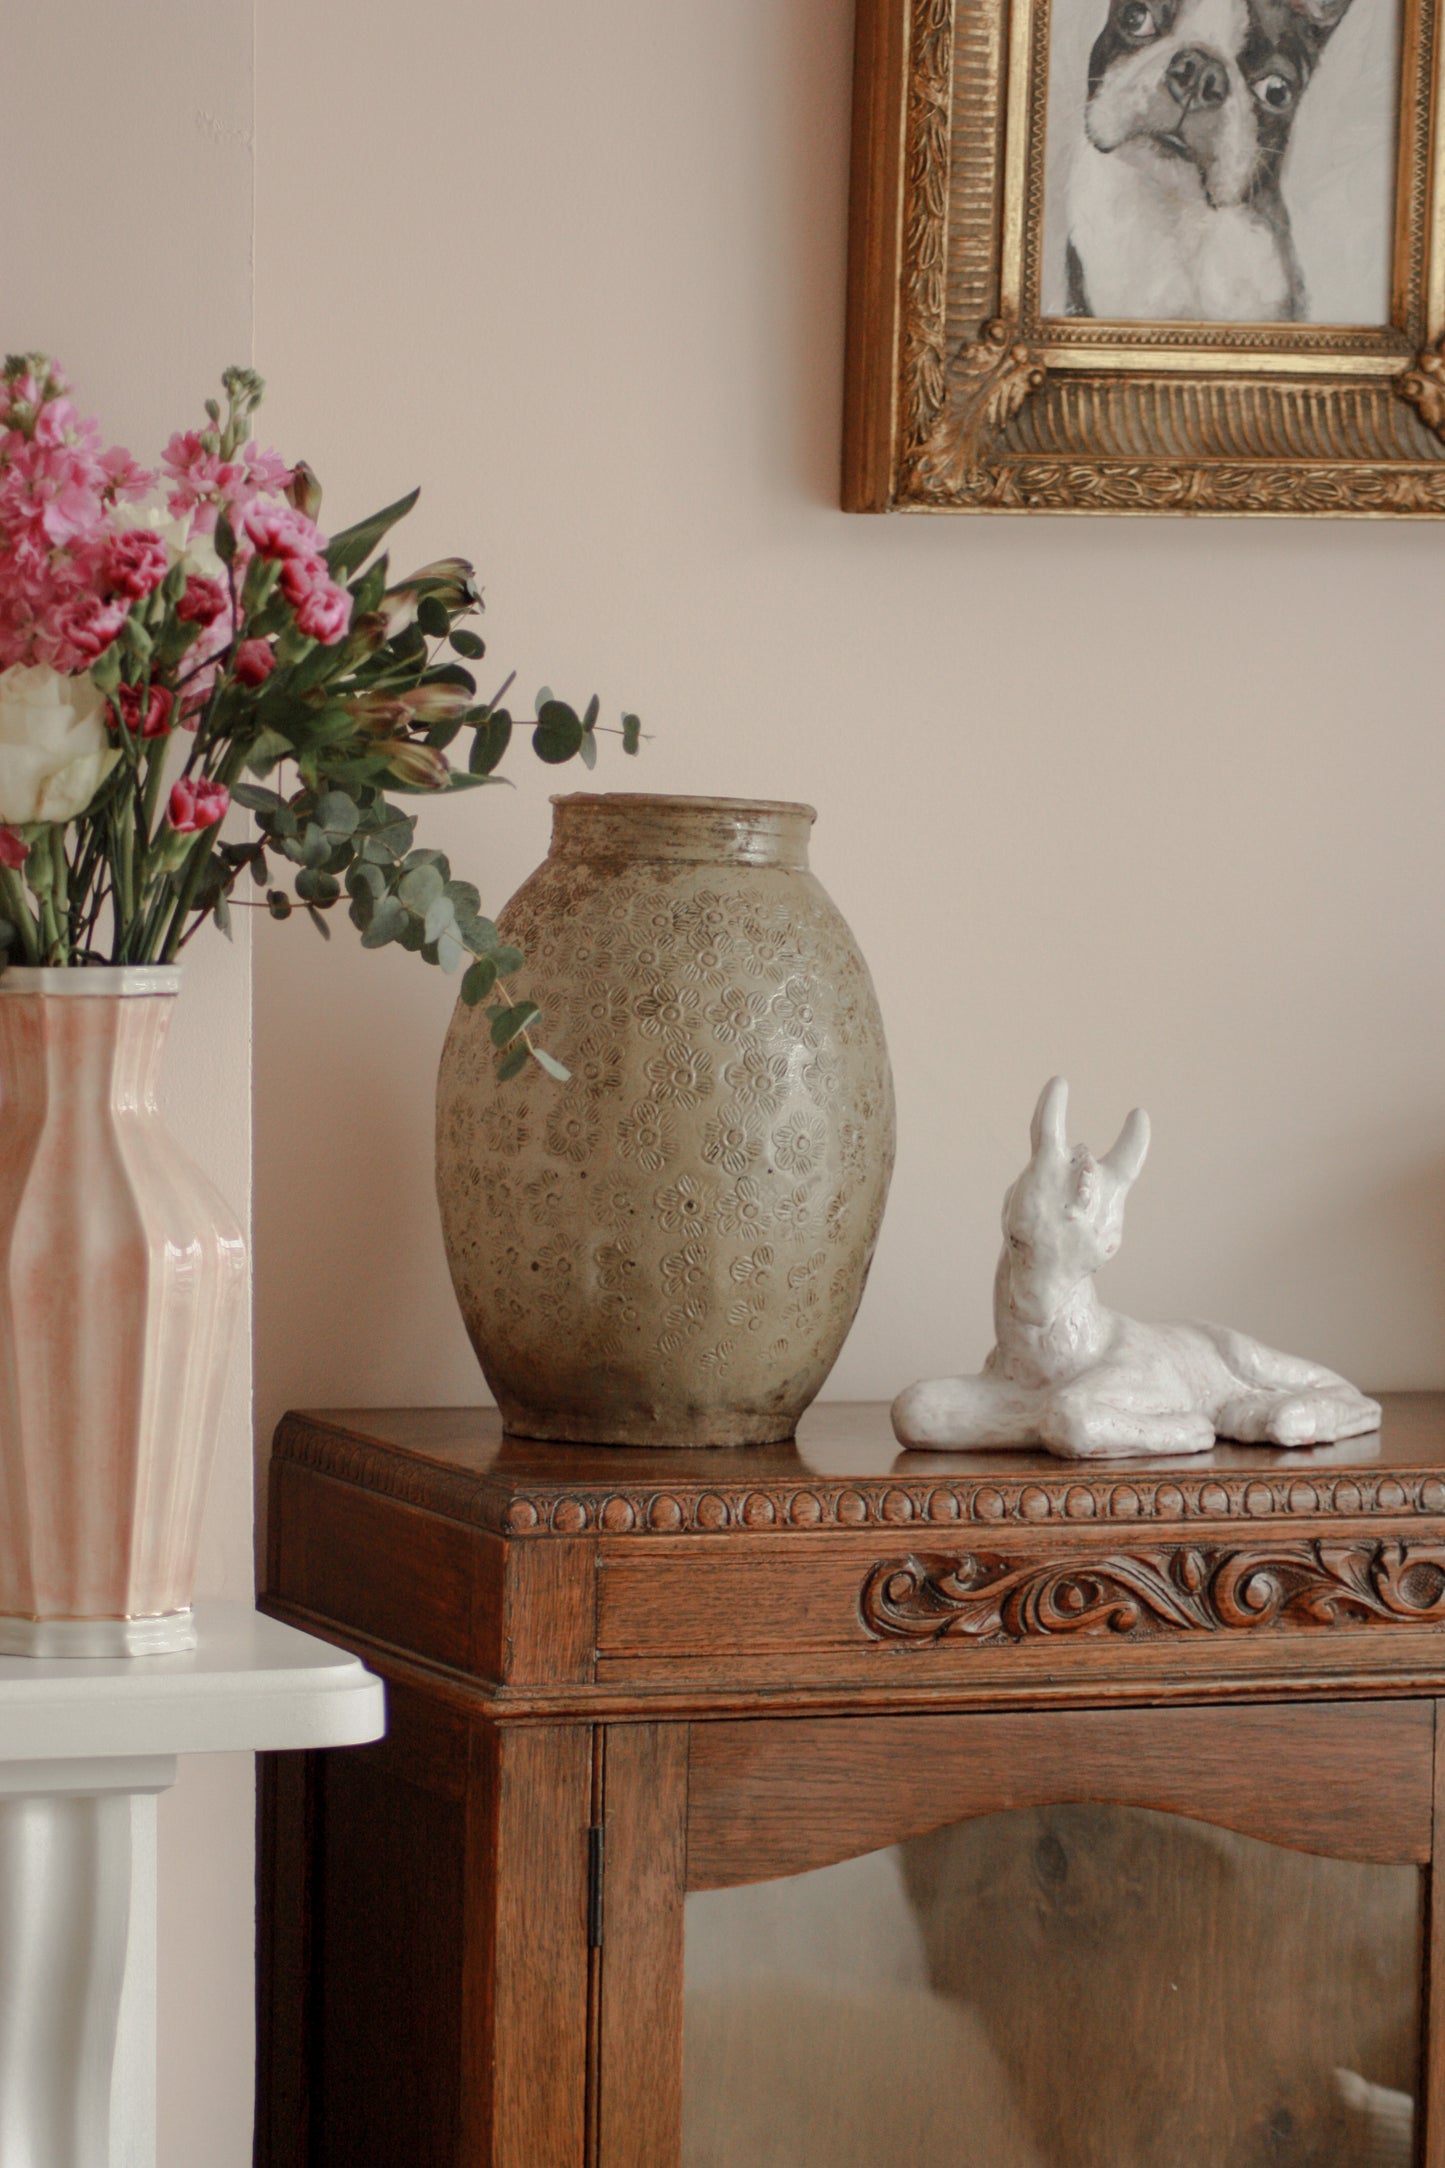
(963, 395)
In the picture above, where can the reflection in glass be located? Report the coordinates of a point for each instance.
(1063, 1987)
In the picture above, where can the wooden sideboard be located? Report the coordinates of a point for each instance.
(618, 1677)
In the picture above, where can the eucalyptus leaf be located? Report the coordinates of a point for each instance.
(478, 981)
(631, 733)
(509, 1024)
(558, 734)
(257, 799)
(513, 1063)
(387, 921)
(490, 743)
(553, 1067)
(420, 888)
(441, 918)
(468, 644)
(338, 814)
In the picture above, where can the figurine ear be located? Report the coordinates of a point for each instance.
(1127, 1155)
(1047, 1127)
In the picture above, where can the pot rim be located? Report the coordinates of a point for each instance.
(95, 980)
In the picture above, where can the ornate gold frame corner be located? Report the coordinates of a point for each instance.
(961, 397)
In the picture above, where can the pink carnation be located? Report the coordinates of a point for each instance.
(322, 609)
(253, 663)
(82, 629)
(203, 602)
(134, 564)
(196, 804)
(146, 712)
(279, 530)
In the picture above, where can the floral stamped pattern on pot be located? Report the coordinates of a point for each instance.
(718, 1162)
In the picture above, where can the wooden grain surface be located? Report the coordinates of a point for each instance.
(640, 2069)
(524, 1916)
(875, 254)
(774, 1797)
(1432, 2059)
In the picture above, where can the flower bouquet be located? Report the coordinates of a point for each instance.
(173, 644)
(168, 642)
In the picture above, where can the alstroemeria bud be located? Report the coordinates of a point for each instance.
(451, 579)
(304, 490)
(422, 766)
(437, 703)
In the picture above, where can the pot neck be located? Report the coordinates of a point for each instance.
(627, 825)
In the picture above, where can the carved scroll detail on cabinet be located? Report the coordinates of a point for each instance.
(981, 1596)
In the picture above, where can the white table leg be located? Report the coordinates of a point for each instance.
(77, 1962)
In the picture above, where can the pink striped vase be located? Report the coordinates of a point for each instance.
(122, 1282)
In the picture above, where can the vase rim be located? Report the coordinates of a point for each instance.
(96, 980)
(683, 801)
(624, 826)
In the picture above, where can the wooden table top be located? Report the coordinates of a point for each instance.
(846, 1470)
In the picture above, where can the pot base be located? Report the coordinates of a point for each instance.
(716, 1431)
(93, 1637)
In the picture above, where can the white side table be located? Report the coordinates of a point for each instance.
(85, 1747)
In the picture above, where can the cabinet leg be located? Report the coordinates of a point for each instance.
(644, 1882)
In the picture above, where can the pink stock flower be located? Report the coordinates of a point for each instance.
(124, 478)
(253, 662)
(146, 712)
(13, 849)
(322, 609)
(196, 804)
(203, 602)
(134, 563)
(205, 485)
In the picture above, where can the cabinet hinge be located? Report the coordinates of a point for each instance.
(594, 1887)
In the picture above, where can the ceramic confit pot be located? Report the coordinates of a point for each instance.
(122, 1282)
(670, 1248)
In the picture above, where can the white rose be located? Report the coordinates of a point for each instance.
(55, 750)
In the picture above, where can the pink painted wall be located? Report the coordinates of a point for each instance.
(125, 168)
(1156, 804)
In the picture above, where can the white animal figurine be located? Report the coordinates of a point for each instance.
(1069, 1374)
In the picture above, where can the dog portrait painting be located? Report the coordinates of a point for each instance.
(1221, 161)
(1147, 256)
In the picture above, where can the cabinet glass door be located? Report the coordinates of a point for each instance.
(1057, 1987)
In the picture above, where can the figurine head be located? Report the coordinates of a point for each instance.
(1064, 1216)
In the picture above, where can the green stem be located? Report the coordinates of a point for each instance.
(17, 910)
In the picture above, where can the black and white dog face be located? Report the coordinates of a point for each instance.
(1175, 205)
(1215, 83)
